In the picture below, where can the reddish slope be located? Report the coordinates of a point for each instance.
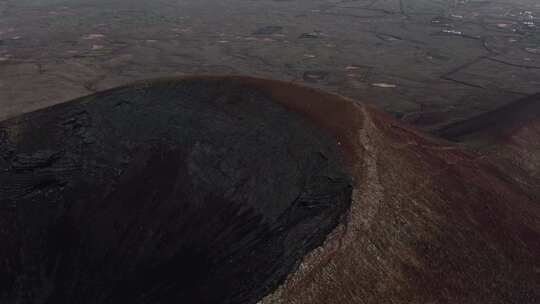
(510, 136)
(430, 222)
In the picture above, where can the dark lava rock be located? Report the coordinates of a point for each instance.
(177, 191)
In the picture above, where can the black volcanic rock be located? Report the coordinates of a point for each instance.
(176, 191)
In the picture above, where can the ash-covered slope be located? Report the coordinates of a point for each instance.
(219, 200)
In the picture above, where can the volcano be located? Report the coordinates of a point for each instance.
(242, 190)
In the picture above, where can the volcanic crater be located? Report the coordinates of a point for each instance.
(198, 190)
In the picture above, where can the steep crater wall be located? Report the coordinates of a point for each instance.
(179, 191)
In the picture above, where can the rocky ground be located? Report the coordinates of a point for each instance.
(429, 62)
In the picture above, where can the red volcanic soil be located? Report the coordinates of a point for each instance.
(430, 222)
(426, 220)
